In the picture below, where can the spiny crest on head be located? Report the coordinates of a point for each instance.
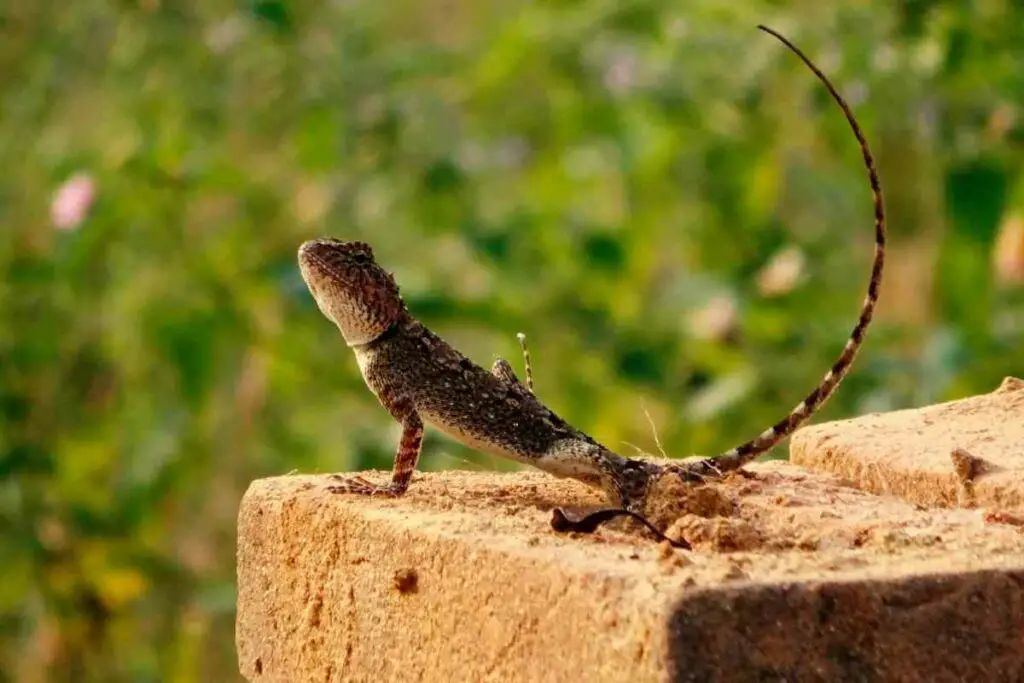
(359, 250)
(331, 252)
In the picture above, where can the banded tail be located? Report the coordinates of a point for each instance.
(746, 452)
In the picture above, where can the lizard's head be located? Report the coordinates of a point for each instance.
(356, 294)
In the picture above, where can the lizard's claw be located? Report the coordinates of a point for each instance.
(697, 472)
(708, 468)
(360, 487)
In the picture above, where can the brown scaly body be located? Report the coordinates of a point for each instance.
(419, 378)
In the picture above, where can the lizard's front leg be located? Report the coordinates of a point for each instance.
(406, 457)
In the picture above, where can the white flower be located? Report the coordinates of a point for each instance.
(782, 273)
(715, 320)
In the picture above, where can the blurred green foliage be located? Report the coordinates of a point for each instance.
(614, 179)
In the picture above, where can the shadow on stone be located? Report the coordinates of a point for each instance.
(930, 628)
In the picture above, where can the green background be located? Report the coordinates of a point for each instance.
(604, 176)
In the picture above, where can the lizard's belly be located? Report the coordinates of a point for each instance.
(565, 457)
(476, 439)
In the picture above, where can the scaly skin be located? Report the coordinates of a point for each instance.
(419, 378)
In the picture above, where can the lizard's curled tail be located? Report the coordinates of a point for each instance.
(746, 452)
(635, 480)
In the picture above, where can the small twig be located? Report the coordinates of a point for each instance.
(654, 429)
(637, 449)
(589, 523)
(527, 368)
(468, 464)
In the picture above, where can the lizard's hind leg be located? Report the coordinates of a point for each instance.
(502, 370)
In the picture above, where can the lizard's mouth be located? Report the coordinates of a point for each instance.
(314, 268)
(310, 249)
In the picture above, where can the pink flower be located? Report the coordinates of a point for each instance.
(620, 74)
(72, 201)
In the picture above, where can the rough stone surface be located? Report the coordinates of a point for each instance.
(909, 453)
(795, 576)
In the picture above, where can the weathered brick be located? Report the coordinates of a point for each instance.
(906, 453)
(463, 580)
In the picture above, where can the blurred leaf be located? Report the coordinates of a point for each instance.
(274, 13)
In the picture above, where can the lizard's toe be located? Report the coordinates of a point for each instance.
(356, 485)
(696, 472)
(362, 487)
(708, 468)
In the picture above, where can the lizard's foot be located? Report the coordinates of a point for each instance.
(362, 487)
(696, 472)
(708, 469)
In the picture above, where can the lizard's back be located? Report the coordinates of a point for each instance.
(460, 398)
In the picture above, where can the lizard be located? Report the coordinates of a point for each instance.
(420, 379)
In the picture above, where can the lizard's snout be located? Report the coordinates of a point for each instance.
(316, 246)
(307, 249)
(331, 250)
